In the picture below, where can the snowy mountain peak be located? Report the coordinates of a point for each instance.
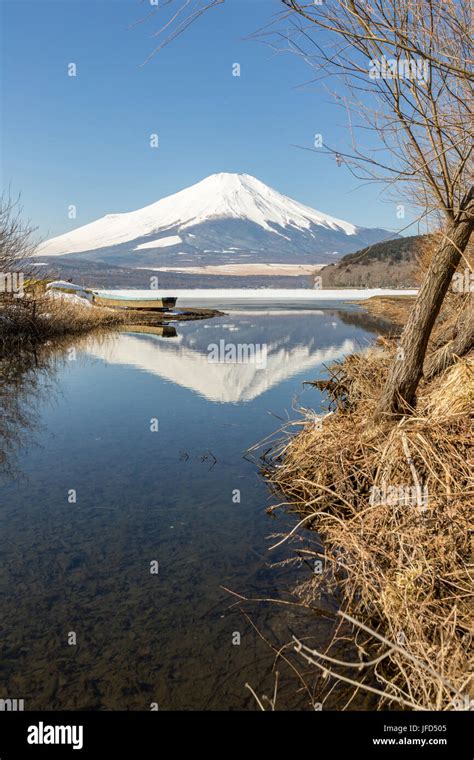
(241, 196)
(222, 213)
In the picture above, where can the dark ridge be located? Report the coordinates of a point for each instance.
(392, 263)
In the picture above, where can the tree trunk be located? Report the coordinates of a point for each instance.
(460, 344)
(399, 394)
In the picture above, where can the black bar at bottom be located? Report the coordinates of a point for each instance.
(154, 734)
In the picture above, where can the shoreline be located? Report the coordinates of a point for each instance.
(28, 323)
(265, 294)
(393, 309)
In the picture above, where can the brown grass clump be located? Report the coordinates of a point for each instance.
(393, 309)
(394, 505)
(29, 320)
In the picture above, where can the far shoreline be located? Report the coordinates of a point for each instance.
(265, 294)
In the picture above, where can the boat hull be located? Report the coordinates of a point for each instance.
(150, 304)
(163, 331)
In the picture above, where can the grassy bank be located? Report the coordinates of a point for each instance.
(394, 505)
(394, 309)
(37, 318)
(30, 320)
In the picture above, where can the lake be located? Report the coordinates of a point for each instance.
(129, 508)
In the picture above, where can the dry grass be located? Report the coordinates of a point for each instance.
(404, 568)
(29, 320)
(40, 316)
(393, 309)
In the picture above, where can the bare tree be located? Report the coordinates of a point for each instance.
(16, 244)
(406, 71)
(175, 16)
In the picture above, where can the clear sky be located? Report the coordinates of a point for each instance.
(85, 140)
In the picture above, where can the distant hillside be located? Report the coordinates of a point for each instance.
(96, 274)
(392, 263)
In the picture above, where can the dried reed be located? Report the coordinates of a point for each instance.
(394, 505)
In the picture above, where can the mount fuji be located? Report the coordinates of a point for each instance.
(224, 219)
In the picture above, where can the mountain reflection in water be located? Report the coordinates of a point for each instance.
(291, 348)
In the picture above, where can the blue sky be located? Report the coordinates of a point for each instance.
(85, 140)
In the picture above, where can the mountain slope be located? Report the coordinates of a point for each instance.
(392, 263)
(225, 218)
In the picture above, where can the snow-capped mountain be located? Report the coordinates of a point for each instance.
(225, 218)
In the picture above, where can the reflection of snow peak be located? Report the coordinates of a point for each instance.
(220, 382)
(238, 353)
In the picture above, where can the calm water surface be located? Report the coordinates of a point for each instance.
(83, 568)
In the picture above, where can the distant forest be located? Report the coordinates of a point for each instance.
(393, 263)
